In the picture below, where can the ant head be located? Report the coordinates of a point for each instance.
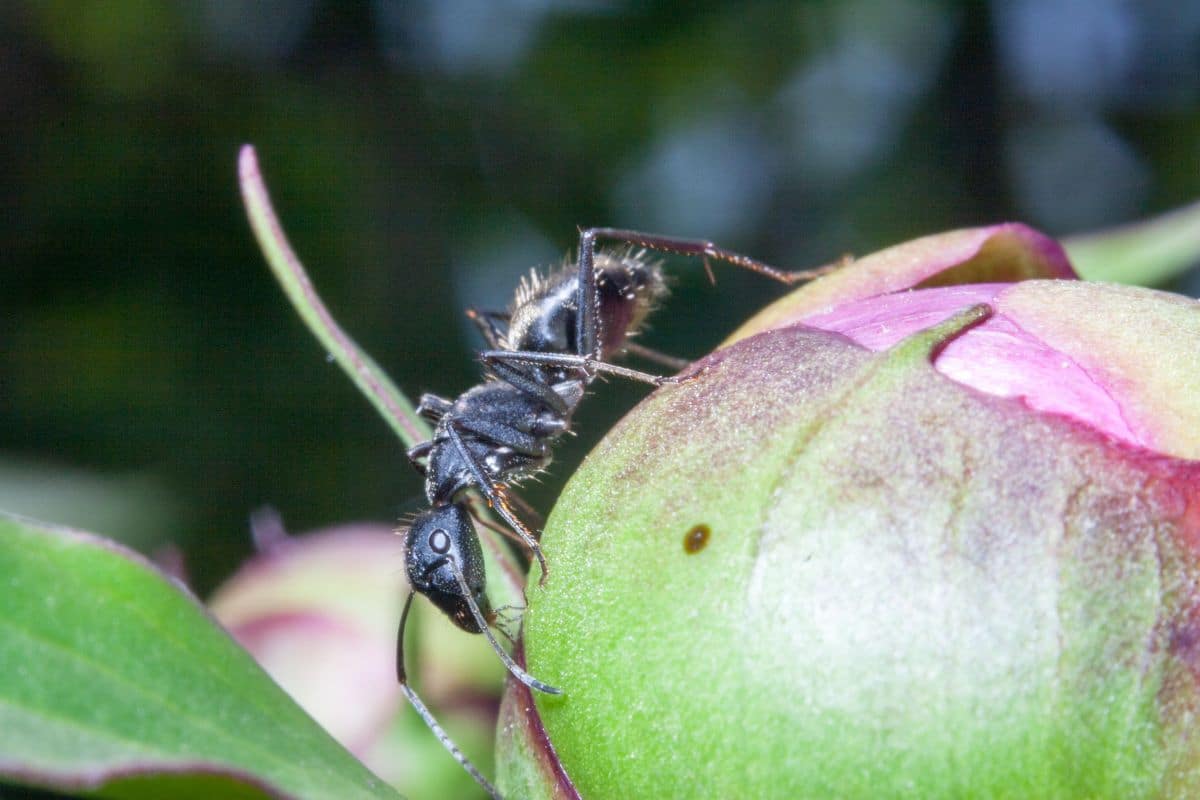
(438, 540)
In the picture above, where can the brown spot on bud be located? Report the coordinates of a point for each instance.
(695, 540)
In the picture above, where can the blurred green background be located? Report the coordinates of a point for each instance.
(154, 384)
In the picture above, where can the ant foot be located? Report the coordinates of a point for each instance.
(688, 378)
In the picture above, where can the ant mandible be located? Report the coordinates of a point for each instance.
(558, 335)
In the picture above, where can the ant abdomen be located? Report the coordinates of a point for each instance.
(628, 288)
(544, 316)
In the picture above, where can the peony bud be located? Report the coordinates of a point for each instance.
(319, 613)
(928, 527)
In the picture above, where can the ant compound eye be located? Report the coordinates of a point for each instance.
(439, 541)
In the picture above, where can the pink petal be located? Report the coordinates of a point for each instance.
(998, 357)
(1004, 253)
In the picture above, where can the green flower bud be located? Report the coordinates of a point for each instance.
(904, 537)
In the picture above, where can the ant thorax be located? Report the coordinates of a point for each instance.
(490, 413)
(544, 314)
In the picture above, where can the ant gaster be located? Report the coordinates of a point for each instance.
(557, 337)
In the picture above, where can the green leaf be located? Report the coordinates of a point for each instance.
(115, 680)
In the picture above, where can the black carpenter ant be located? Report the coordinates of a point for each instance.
(556, 338)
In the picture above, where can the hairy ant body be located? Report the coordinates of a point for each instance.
(556, 338)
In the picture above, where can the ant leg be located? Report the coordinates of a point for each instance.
(507, 533)
(669, 361)
(494, 361)
(418, 452)
(496, 497)
(521, 443)
(492, 325)
(587, 325)
(507, 620)
(518, 673)
(588, 363)
(587, 300)
(492, 526)
(506, 617)
(705, 249)
(424, 713)
(519, 502)
(433, 408)
(526, 509)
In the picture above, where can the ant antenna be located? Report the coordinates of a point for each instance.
(425, 714)
(518, 673)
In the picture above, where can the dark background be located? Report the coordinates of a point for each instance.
(156, 386)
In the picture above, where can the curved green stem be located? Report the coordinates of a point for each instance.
(1145, 253)
(376, 386)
